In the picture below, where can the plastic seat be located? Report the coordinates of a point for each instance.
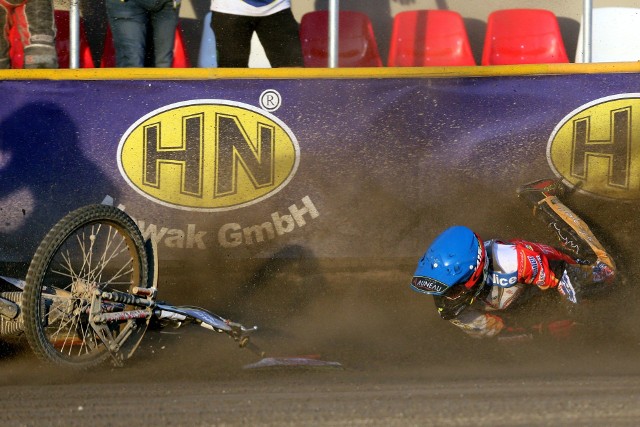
(429, 38)
(180, 58)
(615, 35)
(108, 59)
(523, 36)
(62, 44)
(357, 43)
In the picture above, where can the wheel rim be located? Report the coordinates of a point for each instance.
(95, 256)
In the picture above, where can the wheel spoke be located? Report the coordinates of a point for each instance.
(120, 249)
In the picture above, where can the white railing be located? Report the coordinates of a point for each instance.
(334, 35)
(587, 13)
(74, 34)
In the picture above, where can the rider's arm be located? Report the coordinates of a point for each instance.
(478, 324)
(535, 264)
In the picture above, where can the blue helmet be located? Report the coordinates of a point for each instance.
(453, 270)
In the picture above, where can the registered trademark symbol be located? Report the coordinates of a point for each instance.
(270, 100)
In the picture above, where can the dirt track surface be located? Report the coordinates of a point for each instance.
(377, 396)
(401, 366)
(328, 399)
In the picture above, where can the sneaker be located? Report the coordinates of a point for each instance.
(547, 187)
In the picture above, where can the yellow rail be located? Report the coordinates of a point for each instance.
(316, 73)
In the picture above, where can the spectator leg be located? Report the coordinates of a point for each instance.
(280, 37)
(164, 22)
(37, 28)
(128, 23)
(233, 39)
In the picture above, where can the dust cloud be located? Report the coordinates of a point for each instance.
(361, 313)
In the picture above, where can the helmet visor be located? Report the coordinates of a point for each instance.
(458, 297)
(456, 292)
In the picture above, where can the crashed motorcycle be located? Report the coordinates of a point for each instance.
(90, 293)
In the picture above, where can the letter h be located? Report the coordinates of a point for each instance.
(615, 150)
(188, 156)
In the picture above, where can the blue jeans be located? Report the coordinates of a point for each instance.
(129, 21)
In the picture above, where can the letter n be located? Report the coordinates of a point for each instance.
(236, 150)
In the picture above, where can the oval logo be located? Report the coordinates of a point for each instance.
(596, 147)
(208, 155)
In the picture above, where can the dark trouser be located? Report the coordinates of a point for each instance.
(278, 34)
(36, 27)
(129, 21)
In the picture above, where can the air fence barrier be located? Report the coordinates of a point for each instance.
(351, 167)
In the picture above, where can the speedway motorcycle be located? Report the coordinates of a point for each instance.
(91, 291)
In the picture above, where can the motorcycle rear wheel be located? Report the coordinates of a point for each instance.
(94, 248)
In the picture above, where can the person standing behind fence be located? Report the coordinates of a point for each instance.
(129, 20)
(37, 30)
(234, 22)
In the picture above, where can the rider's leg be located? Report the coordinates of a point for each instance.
(574, 234)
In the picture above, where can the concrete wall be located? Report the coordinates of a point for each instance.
(381, 13)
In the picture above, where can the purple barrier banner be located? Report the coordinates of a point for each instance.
(337, 169)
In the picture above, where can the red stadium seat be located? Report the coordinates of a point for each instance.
(523, 36)
(429, 38)
(108, 59)
(357, 43)
(62, 44)
(180, 58)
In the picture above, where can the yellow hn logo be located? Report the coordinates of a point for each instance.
(208, 155)
(597, 147)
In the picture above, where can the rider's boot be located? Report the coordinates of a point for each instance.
(536, 191)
